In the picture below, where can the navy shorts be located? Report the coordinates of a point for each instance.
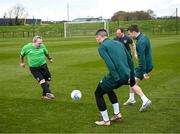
(138, 73)
(108, 83)
(41, 72)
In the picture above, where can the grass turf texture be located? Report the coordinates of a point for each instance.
(77, 65)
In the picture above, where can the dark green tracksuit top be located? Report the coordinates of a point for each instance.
(143, 48)
(117, 59)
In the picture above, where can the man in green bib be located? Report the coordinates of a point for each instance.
(36, 53)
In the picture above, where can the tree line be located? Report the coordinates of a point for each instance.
(16, 12)
(136, 15)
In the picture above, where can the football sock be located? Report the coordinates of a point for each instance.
(116, 108)
(131, 95)
(45, 88)
(105, 115)
(144, 99)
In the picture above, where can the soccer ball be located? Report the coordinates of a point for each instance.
(76, 95)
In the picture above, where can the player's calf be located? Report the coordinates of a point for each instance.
(46, 91)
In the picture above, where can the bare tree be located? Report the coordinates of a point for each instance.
(151, 13)
(25, 16)
(5, 14)
(14, 13)
(10, 13)
(18, 11)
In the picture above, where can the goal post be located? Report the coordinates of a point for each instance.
(83, 29)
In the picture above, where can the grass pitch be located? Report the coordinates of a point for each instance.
(77, 65)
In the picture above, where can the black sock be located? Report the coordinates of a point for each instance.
(45, 88)
(44, 93)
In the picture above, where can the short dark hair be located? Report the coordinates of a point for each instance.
(102, 32)
(133, 28)
(120, 28)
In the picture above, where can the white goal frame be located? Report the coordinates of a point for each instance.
(105, 26)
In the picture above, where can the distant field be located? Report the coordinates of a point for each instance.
(77, 65)
(153, 27)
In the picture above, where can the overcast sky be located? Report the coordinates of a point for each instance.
(57, 9)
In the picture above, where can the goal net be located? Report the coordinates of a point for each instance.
(83, 29)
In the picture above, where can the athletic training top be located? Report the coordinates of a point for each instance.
(117, 59)
(36, 56)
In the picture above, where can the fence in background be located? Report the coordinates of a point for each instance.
(153, 27)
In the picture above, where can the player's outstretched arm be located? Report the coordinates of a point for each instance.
(49, 58)
(47, 54)
(22, 64)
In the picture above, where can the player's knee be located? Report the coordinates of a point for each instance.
(42, 81)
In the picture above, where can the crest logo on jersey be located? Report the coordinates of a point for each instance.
(30, 51)
(125, 41)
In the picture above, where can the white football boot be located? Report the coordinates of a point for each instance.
(145, 106)
(129, 102)
(116, 117)
(103, 123)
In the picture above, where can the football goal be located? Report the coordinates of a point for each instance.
(83, 29)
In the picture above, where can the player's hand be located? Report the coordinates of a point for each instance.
(132, 82)
(146, 76)
(22, 65)
(51, 60)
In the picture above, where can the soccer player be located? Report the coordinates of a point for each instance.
(126, 40)
(36, 54)
(145, 65)
(121, 69)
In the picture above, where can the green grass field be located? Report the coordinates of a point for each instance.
(150, 27)
(77, 65)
